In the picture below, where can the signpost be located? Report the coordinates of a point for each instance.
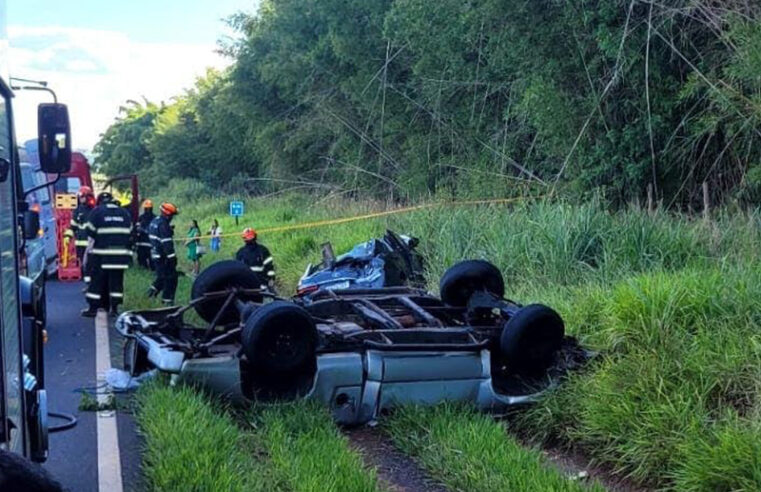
(237, 209)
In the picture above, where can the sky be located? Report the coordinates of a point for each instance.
(97, 54)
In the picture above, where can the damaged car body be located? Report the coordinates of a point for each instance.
(358, 351)
(389, 261)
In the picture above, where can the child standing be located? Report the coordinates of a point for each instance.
(216, 236)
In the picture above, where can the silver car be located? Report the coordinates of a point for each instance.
(360, 352)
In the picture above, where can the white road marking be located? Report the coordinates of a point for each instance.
(109, 461)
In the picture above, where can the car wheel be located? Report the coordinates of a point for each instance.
(463, 279)
(280, 338)
(220, 277)
(531, 337)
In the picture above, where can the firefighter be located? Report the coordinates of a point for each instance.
(143, 237)
(257, 257)
(109, 227)
(86, 202)
(163, 255)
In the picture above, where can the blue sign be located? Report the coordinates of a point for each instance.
(237, 209)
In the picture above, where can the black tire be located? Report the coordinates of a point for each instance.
(463, 279)
(220, 277)
(531, 338)
(280, 338)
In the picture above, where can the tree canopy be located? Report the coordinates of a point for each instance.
(406, 98)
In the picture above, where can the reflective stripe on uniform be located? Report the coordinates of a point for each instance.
(87, 280)
(152, 237)
(144, 245)
(116, 294)
(268, 260)
(114, 230)
(88, 226)
(92, 296)
(271, 273)
(81, 242)
(173, 255)
(114, 267)
(111, 252)
(257, 269)
(167, 240)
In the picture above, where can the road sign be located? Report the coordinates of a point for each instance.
(237, 209)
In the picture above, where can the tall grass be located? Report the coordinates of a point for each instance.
(307, 451)
(671, 302)
(466, 450)
(190, 445)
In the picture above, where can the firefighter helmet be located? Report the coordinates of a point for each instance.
(105, 197)
(248, 234)
(169, 209)
(85, 191)
(147, 204)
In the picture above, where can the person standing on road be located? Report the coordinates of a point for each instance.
(143, 239)
(216, 236)
(192, 243)
(258, 258)
(86, 203)
(163, 254)
(109, 227)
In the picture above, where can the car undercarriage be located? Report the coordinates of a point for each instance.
(361, 351)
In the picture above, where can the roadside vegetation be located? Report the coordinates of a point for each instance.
(467, 450)
(671, 303)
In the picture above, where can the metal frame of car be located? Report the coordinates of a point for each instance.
(378, 348)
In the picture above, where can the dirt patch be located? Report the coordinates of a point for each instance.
(397, 471)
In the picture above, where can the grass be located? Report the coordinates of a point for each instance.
(671, 302)
(466, 450)
(193, 445)
(307, 452)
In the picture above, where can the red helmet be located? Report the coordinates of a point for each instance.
(169, 209)
(85, 191)
(248, 234)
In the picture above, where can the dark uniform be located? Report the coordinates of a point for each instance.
(110, 228)
(259, 260)
(77, 225)
(143, 239)
(164, 259)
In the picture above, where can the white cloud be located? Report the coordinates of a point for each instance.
(95, 72)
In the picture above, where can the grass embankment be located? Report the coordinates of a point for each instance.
(192, 443)
(672, 303)
(467, 450)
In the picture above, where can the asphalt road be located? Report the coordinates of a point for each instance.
(70, 366)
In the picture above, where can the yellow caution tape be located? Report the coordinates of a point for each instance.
(373, 215)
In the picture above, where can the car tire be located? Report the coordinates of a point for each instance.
(280, 338)
(531, 337)
(219, 277)
(459, 283)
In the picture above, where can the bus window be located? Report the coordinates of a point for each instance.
(10, 319)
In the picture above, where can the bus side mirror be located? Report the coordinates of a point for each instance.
(54, 138)
(31, 224)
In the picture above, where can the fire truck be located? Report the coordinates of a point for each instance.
(65, 189)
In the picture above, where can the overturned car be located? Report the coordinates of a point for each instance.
(389, 261)
(359, 351)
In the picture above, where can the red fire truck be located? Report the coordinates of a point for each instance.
(65, 191)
